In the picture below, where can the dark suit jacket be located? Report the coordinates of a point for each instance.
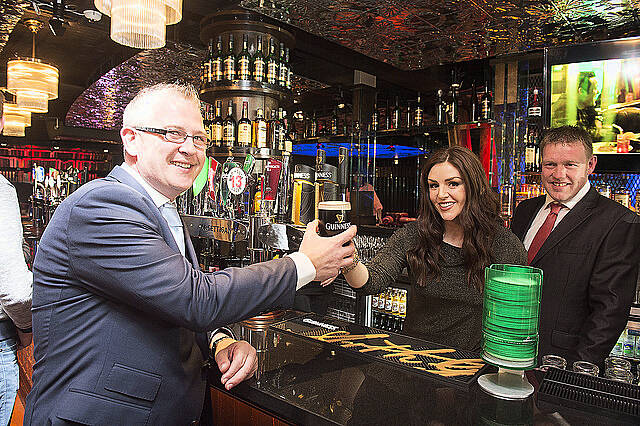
(590, 267)
(118, 312)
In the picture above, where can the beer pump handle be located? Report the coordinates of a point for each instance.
(321, 158)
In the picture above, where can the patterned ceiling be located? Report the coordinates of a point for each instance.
(413, 34)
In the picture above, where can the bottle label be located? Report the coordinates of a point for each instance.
(535, 111)
(243, 69)
(289, 79)
(272, 72)
(261, 137)
(229, 69)
(258, 70)
(529, 156)
(216, 69)
(206, 74)
(402, 309)
(374, 301)
(282, 77)
(388, 304)
(216, 134)
(244, 134)
(485, 110)
(228, 136)
(209, 131)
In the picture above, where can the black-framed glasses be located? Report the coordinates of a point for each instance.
(178, 136)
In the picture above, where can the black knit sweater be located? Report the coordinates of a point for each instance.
(447, 311)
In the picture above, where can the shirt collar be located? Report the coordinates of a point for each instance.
(157, 197)
(572, 202)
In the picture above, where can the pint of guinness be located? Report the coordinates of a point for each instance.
(334, 217)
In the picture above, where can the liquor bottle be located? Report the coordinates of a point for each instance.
(217, 125)
(486, 104)
(531, 151)
(395, 116)
(244, 60)
(230, 62)
(535, 110)
(272, 64)
(402, 308)
(206, 66)
(208, 122)
(282, 135)
(283, 70)
(374, 301)
(313, 126)
(454, 108)
(244, 126)
(388, 301)
(229, 131)
(395, 302)
(217, 64)
(259, 130)
(259, 73)
(333, 127)
(418, 113)
(273, 131)
(474, 108)
(289, 72)
(441, 109)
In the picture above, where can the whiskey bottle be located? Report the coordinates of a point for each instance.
(207, 121)
(217, 64)
(229, 131)
(418, 113)
(244, 126)
(272, 64)
(259, 63)
(230, 62)
(289, 72)
(374, 118)
(486, 104)
(206, 66)
(535, 110)
(217, 125)
(531, 151)
(282, 135)
(273, 131)
(441, 109)
(283, 70)
(334, 123)
(259, 130)
(313, 127)
(395, 116)
(244, 60)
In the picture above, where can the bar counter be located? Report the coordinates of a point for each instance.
(301, 380)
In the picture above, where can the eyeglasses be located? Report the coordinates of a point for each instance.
(178, 136)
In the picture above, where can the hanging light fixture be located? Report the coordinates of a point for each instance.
(16, 119)
(32, 81)
(140, 24)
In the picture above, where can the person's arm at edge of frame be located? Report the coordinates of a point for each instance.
(611, 290)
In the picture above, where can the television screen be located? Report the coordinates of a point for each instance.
(603, 97)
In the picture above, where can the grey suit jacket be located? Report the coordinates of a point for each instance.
(117, 311)
(590, 266)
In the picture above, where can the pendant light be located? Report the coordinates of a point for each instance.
(32, 81)
(16, 119)
(140, 24)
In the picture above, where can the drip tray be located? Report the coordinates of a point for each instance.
(592, 394)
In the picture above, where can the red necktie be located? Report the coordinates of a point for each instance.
(544, 231)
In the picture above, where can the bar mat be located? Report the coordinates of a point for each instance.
(592, 394)
(456, 367)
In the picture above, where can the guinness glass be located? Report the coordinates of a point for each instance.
(334, 217)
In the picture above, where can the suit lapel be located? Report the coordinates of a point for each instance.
(523, 226)
(573, 219)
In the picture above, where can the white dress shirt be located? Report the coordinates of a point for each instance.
(542, 214)
(306, 272)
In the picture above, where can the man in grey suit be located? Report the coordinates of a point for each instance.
(120, 308)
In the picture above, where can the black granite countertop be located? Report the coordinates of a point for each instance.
(310, 382)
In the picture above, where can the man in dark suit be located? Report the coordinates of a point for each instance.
(120, 308)
(587, 247)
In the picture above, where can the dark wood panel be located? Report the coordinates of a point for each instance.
(228, 410)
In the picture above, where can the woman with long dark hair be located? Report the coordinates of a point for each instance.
(458, 233)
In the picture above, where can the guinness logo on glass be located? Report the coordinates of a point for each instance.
(333, 217)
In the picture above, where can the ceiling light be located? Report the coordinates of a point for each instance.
(31, 80)
(15, 113)
(140, 24)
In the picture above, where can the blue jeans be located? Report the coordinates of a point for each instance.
(8, 371)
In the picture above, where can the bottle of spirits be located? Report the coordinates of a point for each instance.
(230, 62)
(229, 132)
(217, 125)
(441, 109)
(535, 110)
(259, 73)
(418, 113)
(244, 126)
(395, 116)
(259, 130)
(374, 118)
(289, 72)
(531, 151)
(272, 64)
(313, 126)
(273, 131)
(283, 69)
(333, 128)
(206, 66)
(208, 122)
(282, 134)
(454, 108)
(486, 104)
(218, 61)
(474, 107)
(244, 60)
